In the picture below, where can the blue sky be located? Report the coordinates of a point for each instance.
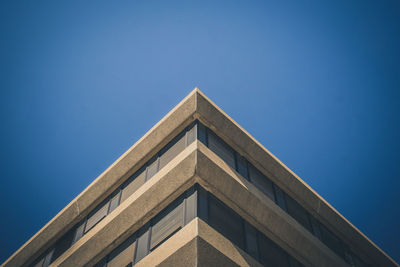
(316, 82)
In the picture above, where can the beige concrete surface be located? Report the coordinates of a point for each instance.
(213, 117)
(197, 244)
(256, 208)
(134, 212)
(199, 164)
(196, 105)
(159, 135)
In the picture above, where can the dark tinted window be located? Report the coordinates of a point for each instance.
(79, 231)
(251, 241)
(63, 244)
(315, 228)
(38, 263)
(261, 182)
(202, 133)
(271, 254)
(298, 213)
(242, 166)
(47, 259)
(331, 241)
(203, 204)
(280, 198)
(225, 221)
(219, 147)
(294, 262)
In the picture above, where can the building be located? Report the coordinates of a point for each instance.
(198, 190)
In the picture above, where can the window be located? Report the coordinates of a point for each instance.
(280, 198)
(123, 255)
(261, 182)
(152, 168)
(133, 184)
(225, 221)
(79, 231)
(271, 254)
(219, 147)
(298, 212)
(47, 258)
(172, 150)
(251, 241)
(315, 228)
(242, 166)
(191, 135)
(202, 133)
(166, 223)
(191, 205)
(39, 263)
(63, 244)
(97, 216)
(142, 244)
(329, 239)
(114, 202)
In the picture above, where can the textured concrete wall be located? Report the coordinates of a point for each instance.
(212, 173)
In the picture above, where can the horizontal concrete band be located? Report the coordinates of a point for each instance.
(157, 137)
(240, 140)
(198, 106)
(185, 248)
(174, 179)
(198, 164)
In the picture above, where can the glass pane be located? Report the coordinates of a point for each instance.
(114, 202)
(315, 226)
(102, 263)
(203, 204)
(202, 133)
(172, 150)
(63, 244)
(142, 244)
(79, 231)
(219, 147)
(123, 255)
(226, 221)
(47, 259)
(97, 216)
(166, 223)
(152, 168)
(251, 241)
(358, 262)
(298, 212)
(261, 182)
(280, 198)
(191, 135)
(191, 205)
(133, 184)
(271, 254)
(294, 262)
(39, 263)
(329, 239)
(242, 166)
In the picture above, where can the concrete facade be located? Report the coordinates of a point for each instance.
(198, 244)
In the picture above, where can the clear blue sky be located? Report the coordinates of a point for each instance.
(316, 83)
